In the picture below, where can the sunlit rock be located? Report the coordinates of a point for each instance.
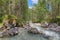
(34, 30)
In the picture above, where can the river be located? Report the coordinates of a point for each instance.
(24, 35)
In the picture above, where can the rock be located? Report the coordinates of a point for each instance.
(37, 24)
(44, 25)
(46, 36)
(57, 29)
(13, 31)
(53, 25)
(10, 32)
(1, 35)
(33, 30)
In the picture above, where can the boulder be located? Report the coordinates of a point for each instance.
(33, 30)
(10, 32)
(53, 25)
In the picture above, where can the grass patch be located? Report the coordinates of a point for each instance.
(1, 24)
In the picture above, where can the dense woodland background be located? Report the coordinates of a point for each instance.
(45, 10)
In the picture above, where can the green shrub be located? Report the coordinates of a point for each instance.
(8, 17)
(1, 18)
(56, 20)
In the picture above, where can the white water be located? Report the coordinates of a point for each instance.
(51, 34)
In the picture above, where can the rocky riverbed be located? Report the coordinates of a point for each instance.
(47, 34)
(24, 35)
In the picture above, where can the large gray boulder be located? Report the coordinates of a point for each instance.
(10, 32)
(53, 25)
(33, 30)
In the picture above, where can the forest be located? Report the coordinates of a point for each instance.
(45, 10)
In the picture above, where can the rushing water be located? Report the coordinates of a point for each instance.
(24, 35)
